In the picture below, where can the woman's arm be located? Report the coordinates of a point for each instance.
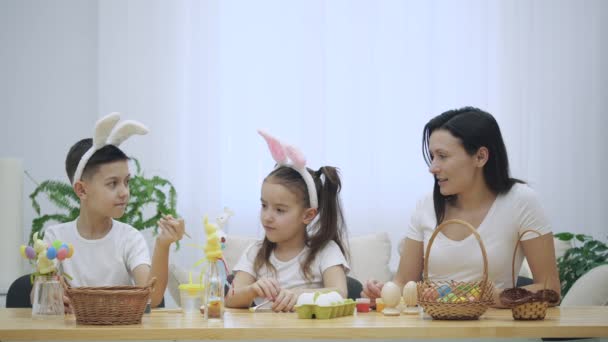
(410, 269)
(540, 253)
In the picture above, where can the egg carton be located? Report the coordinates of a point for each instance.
(308, 311)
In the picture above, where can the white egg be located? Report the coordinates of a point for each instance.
(324, 300)
(305, 299)
(391, 294)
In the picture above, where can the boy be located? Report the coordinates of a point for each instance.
(109, 252)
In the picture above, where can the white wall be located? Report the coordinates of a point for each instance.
(203, 75)
(48, 84)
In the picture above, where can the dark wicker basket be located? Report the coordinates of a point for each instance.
(526, 305)
(472, 299)
(110, 305)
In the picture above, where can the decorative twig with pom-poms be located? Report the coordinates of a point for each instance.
(45, 256)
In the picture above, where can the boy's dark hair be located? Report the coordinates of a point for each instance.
(104, 155)
(329, 224)
(475, 128)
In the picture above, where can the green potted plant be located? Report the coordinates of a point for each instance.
(155, 195)
(585, 255)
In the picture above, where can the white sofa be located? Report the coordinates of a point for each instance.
(371, 254)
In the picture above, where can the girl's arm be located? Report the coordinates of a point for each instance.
(410, 268)
(245, 289)
(334, 279)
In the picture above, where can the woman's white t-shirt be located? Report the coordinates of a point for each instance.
(108, 261)
(288, 273)
(510, 214)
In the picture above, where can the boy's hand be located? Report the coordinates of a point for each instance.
(285, 301)
(268, 288)
(171, 230)
(67, 305)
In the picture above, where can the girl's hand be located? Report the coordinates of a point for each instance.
(285, 301)
(268, 288)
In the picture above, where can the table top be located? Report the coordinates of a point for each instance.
(17, 324)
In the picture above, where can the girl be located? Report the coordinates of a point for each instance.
(304, 245)
(468, 159)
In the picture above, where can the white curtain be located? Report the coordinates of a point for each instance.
(352, 83)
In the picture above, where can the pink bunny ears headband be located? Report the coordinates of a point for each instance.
(282, 154)
(109, 132)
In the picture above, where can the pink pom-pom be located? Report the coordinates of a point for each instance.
(62, 253)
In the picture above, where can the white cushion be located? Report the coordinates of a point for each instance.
(590, 289)
(370, 256)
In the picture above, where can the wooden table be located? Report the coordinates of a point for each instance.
(16, 324)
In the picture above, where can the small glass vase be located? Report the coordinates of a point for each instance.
(47, 302)
(214, 282)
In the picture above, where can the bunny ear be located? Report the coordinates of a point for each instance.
(125, 130)
(276, 149)
(103, 128)
(297, 158)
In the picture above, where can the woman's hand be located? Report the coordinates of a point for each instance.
(372, 289)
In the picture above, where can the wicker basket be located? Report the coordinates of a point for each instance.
(465, 300)
(110, 305)
(526, 305)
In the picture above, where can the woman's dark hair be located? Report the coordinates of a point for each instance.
(474, 128)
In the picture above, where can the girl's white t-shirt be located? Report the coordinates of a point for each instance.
(108, 261)
(288, 273)
(510, 214)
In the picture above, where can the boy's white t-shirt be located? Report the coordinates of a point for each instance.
(510, 214)
(288, 273)
(108, 261)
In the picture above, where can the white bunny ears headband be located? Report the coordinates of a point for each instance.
(109, 132)
(283, 154)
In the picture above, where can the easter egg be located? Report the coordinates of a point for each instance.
(475, 292)
(51, 253)
(65, 245)
(62, 254)
(22, 251)
(460, 300)
(71, 250)
(449, 298)
(57, 244)
(444, 290)
(30, 253)
(472, 299)
(391, 294)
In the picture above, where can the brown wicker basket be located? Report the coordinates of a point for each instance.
(526, 305)
(110, 305)
(465, 300)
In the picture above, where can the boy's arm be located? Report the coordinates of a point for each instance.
(171, 230)
(159, 269)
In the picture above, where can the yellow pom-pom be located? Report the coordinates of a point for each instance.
(22, 251)
(71, 250)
